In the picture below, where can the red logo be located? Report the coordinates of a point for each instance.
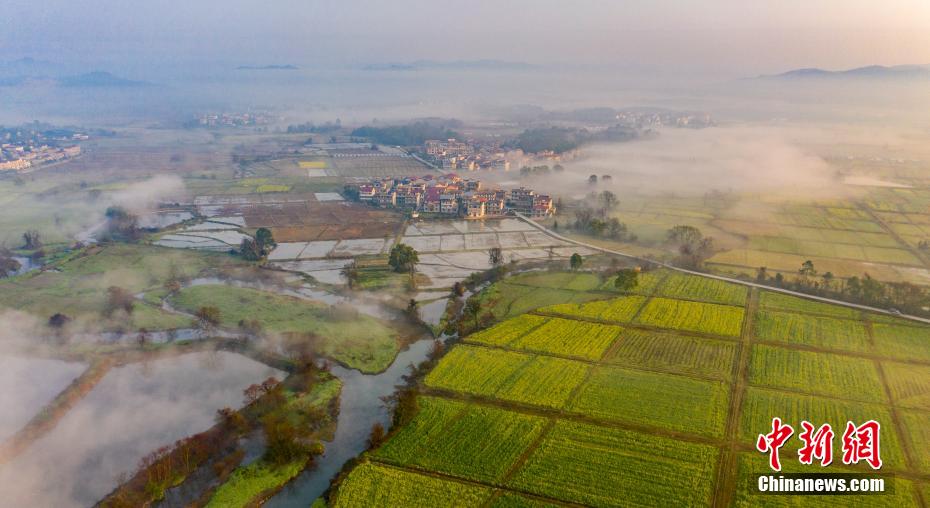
(771, 442)
(859, 443)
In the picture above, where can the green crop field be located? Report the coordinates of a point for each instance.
(916, 426)
(463, 440)
(770, 300)
(679, 285)
(902, 342)
(661, 400)
(909, 384)
(249, 482)
(620, 310)
(560, 395)
(646, 282)
(761, 405)
(377, 485)
(817, 331)
(566, 337)
(604, 467)
(503, 333)
(476, 370)
(504, 300)
(674, 353)
(544, 381)
(815, 373)
(692, 316)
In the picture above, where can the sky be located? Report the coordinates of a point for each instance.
(732, 37)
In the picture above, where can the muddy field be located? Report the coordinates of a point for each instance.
(312, 220)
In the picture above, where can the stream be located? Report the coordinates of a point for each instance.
(359, 408)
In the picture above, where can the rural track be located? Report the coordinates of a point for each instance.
(720, 277)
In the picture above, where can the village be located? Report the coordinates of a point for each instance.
(451, 195)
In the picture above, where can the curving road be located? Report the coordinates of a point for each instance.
(720, 277)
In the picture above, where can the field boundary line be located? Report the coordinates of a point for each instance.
(909, 458)
(726, 480)
(725, 279)
(601, 362)
(410, 468)
(888, 229)
(525, 455)
(562, 414)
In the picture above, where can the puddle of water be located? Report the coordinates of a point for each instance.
(431, 313)
(135, 409)
(27, 385)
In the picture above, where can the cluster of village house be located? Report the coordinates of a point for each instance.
(15, 157)
(459, 155)
(455, 196)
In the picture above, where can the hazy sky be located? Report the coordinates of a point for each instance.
(733, 36)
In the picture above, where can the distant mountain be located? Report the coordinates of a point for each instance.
(99, 79)
(871, 71)
(457, 64)
(287, 67)
(96, 79)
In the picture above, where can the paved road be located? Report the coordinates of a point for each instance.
(720, 277)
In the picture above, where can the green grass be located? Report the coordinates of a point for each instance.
(377, 485)
(817, 331)
(662, 400)
(619, 310)
(769, 300)
(249, 482)
(909, 384)
(566, 337)
(475, 370)
(464, 440)
(607, 467)
(576, 281)
(692, 316)
(760, 405)
(357, 340)
(815, 373)
(79, 289)
(679, 285)
(902, 342)
(503, 333)
(674, 353)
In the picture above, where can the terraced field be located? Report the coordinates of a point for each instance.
(661, 409)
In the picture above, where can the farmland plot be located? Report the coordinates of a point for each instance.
(815, 373)
(647, 282)
(460, 439)
(903, 342)
(909, 384)
(825, 332)
(692, 316)
(663, 400)
(507, 331)
(601, 467)
(679, 285)
(566, 337)
(475, 370)
(917, 434)
(761, 405)
(770, 300)
(675, 353)
(377, 485)
(544, 381)
(620, 310)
